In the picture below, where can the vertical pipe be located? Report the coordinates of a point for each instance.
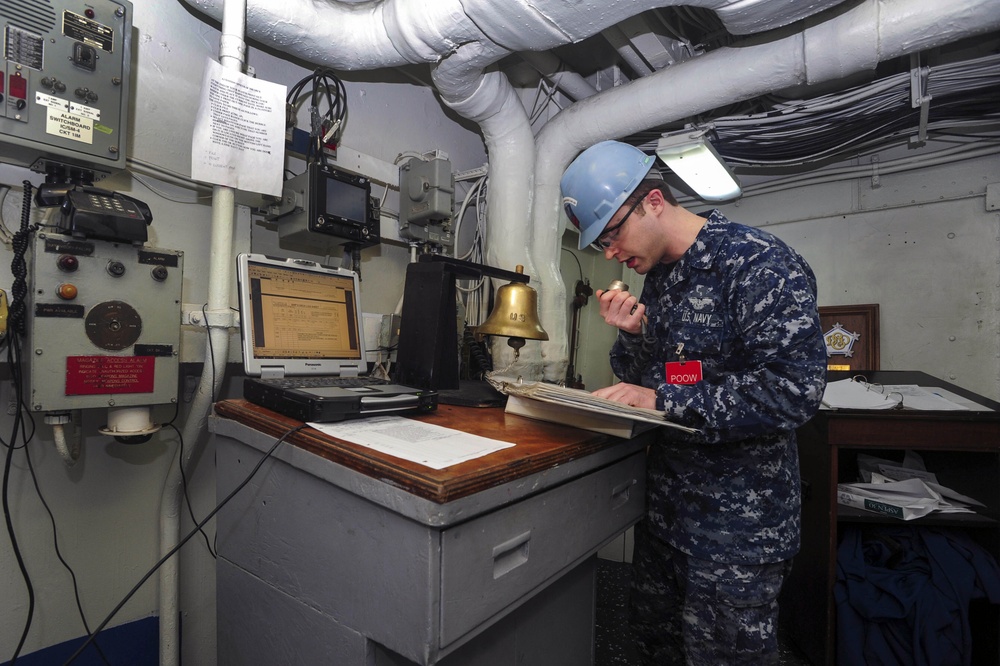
(232, 55)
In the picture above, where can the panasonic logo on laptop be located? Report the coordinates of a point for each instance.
(312, 365)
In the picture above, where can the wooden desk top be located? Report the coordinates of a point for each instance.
(539, 446)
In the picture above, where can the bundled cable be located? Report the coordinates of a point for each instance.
(18, 268)
(327, 110)
(19, 291)
(962, 99)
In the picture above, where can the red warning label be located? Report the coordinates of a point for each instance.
(97, 375)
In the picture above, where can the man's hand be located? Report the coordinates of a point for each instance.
(621, 309)
(629, 394)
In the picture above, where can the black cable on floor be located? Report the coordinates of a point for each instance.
(180, 544)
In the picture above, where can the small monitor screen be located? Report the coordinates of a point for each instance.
(345, 200)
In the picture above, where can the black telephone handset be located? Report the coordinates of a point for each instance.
(91, 212)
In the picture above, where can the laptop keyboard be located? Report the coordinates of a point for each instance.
(320, 382)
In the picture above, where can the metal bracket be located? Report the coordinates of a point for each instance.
(472, 174)
(919, 99)
(876, 180)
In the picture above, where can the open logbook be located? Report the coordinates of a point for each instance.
(579, 408)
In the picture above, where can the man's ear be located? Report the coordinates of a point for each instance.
(655, 200)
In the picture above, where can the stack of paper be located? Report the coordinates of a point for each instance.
(904, 491)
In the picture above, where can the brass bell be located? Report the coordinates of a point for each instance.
(515, 315)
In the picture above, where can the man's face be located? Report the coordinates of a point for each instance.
(628, 240)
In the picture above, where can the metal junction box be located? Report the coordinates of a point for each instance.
(64, 83)
(103, 324)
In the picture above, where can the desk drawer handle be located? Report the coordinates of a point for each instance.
(510, 554)
(620, 493)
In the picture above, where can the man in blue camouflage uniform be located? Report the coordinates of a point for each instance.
(725, 338)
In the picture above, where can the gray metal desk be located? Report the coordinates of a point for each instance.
(337, 554)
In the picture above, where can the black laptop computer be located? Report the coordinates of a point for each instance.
(304, 347)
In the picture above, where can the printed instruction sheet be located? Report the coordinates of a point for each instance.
(239, 133)
(424, 443)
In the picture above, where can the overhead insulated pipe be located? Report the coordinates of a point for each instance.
(219, 319)
(620, 41)
(552, 68)
(386, 33)
(853, 41)
(487, 98)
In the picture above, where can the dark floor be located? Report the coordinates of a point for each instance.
(613, 647)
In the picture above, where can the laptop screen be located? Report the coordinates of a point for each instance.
(299, 318)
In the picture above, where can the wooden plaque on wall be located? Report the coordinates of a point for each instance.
(840, 324)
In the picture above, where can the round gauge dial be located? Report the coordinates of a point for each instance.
(113, 325)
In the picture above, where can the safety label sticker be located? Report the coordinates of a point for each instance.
(70, 126)
(100, 375)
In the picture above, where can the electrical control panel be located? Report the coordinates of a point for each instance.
(64, 85)
(426, 200)
(103, 324)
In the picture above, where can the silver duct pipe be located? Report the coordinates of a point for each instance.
(851, 42)
(552, 68)
(385, 33)
(623, 45)
(488, 99)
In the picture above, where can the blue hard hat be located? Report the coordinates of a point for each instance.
(598, 182)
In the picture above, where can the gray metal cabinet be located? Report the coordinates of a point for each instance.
(324, 563)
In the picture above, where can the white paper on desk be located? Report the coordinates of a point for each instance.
(884, 487)
(849, 394)
(239, 132)
(424, 443)
(918, 397)
(960, 400)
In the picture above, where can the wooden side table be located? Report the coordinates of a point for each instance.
(961, 447)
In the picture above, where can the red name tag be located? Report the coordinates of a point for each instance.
(686, 372)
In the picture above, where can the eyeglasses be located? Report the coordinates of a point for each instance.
(609, 235)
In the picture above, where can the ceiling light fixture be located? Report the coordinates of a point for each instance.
(692, 157)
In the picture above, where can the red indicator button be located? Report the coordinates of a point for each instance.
(68, 263)
(18, 86)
